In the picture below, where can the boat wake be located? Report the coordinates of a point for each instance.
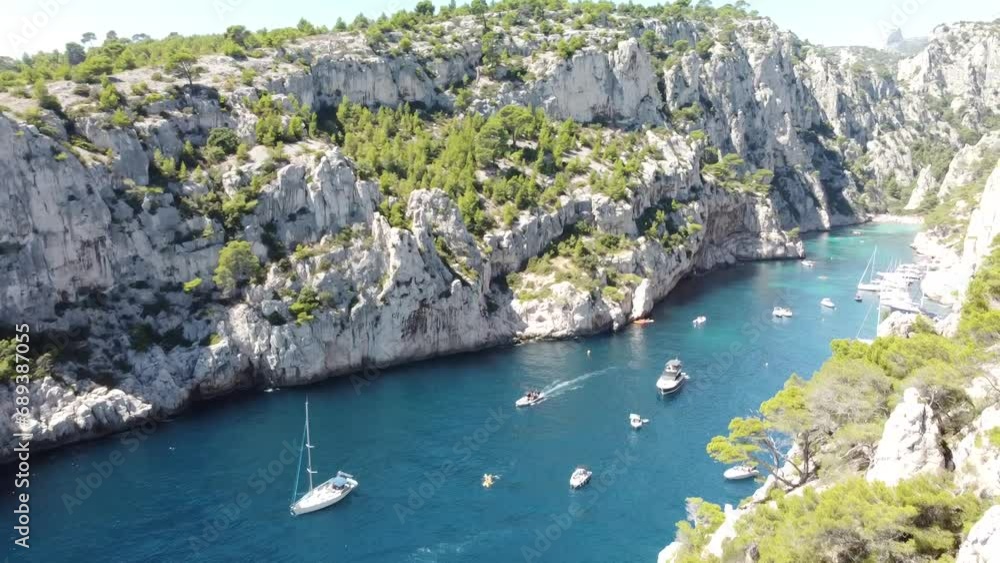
(558, 388)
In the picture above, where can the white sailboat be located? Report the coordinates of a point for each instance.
(870, 285)
(326, 494)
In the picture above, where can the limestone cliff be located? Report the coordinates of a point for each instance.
(101, 248)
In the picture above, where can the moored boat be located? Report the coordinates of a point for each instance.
(580, 477)
(781, 312)
(740, 472)
(636, 421)
(672, 377)
(327, 493)
(828, 303)
(699, 320)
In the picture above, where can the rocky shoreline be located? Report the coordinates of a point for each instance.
(105, 412)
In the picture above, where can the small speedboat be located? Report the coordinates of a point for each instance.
(740, 472)
(828, 303)
(643, 321)
(808, 263)
(699, 320)
(781, 312)
(580, 477)
(855, 232)
(489, 480)
(857, 297)
(530, 399)
(636, 421)
(672, 377)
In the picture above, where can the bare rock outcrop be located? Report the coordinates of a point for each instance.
(910, 444)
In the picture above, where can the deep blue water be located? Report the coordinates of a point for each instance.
(423, 429)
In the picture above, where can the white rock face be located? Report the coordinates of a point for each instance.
(960, 62)
(726, 531)
(910, 442)
(984, 225)
(594, 86)
(968, 162)
(982, 545)
(897, 323)
(977, 460)
(925, 185)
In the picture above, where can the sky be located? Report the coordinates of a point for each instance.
(33, 25)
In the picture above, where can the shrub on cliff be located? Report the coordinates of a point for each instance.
(917, 520)
(237, 266)
(224, 139)
(307, 302)
(40, 364)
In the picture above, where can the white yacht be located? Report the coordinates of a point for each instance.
(672, 378)
(871, 284)
(781, 312)
(740, 472)
(530, 399)
(828, 303)
(580, 477)
(636, 421)
(699, 320)
(326, 494)
(808, 263)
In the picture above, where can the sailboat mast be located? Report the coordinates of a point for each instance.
(309, 464)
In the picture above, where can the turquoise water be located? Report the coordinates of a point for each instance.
(420, 437)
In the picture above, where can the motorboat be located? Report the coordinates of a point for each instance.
(643, 321)
(700, 320)
(808, 263)
(580, 477)
(327, 493)
(857, 297)
(855, 232)
(781, 312)
(636, 421)
(489, 480)
(530, 399)
(828, 303)
(672, 378)
(740, 472)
